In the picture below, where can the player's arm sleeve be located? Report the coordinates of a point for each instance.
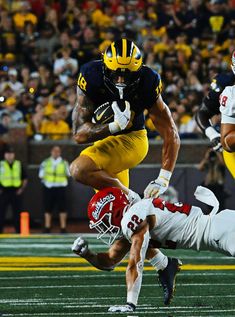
(227, 105)
(210, 105)
(203, 117)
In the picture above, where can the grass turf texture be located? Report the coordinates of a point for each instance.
(39, 276)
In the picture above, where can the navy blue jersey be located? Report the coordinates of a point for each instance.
(217, 86)
(91, 82)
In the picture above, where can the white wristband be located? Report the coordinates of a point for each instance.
(165, 174)
(114, 127)
(211, 133)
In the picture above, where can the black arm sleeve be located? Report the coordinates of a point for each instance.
(203, 117)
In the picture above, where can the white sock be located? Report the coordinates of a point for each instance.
(159, 261)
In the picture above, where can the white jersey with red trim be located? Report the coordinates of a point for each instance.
(177, 225)
(227, 105)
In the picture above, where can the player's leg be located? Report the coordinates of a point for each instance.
(221, 236)
(167, 269)
(229, 159)
(229, 244)
(85, 170)
(101, 164)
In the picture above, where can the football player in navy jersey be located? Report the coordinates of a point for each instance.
(211, 107)
(122, 80)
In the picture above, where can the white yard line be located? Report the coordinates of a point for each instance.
(109, 286)
(158, 311)
(98, 275)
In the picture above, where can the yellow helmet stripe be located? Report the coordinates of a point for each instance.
(124, 48)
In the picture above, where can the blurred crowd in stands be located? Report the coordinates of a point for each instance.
(43, 43)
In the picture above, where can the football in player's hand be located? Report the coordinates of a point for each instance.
(103, 114)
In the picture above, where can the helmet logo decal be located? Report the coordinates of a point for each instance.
(100, 205)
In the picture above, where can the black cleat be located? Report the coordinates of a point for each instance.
(167, 278)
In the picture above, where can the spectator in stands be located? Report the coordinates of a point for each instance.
(183, 41)
(13, 181)
(15, 85)
(54, 173)
(10, 108)
(65, 65)
(54, 127)
(46, 43)
(5, 122)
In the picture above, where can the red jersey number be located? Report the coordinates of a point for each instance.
(134, 223)
(179, 207)
(223, 100)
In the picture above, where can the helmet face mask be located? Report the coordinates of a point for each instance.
(122, 59)
(105, 211)
(105, 227)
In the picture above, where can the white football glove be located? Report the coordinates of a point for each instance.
(214, 137)
(133, 197)
(121, 118)
(80, 246)
(122, 308)
(159, 185)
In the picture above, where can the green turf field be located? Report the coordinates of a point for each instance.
(40, 276)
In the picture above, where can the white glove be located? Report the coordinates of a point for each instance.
(133, 197)
(159, 185)
(122, 309)
(80, 246)
(121, 118)
(214, 137)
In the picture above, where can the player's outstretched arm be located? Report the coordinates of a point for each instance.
(140, 240)
(106, 261)
(139, 246)
(164, 123)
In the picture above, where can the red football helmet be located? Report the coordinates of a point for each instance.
(105, 211)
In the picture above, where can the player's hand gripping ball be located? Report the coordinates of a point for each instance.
(103, 114)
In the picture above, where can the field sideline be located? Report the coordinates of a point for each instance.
(40, 276)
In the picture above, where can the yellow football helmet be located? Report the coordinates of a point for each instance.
(122, 58)
(123, 54)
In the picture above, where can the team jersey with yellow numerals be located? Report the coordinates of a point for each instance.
(91, 82)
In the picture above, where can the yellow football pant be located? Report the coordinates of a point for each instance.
(117, 154)
(229, 159)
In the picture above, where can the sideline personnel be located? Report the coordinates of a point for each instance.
(13, 180)
(54, 173)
